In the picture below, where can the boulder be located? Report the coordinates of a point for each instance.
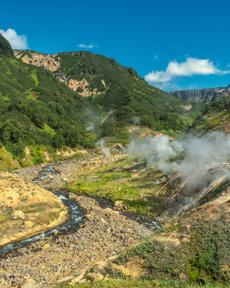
(18, 214)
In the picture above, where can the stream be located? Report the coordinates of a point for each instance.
(76, 216)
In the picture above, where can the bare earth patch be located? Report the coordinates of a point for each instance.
(26, 209)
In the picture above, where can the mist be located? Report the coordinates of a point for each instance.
(102, 144)
(189, 157)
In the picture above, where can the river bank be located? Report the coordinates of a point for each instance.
(104, 234)
(26, 209)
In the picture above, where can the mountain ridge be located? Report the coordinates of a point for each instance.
(204, 95)
(111, 86)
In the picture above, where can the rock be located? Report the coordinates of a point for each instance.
(18, 214)
(103, 221)
(120, 205)
(117, 147)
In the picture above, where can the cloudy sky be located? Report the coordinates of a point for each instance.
(174, 44)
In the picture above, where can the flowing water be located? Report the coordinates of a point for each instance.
(75, 216)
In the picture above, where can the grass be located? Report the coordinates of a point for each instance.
(4, 217)
(49, 130)
(202, 258)
(127, 283)
(115, 182)
(159, 260)
(35, 77)
(7, 161)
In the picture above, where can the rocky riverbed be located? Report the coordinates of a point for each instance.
(104, 234)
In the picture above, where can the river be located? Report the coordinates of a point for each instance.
(76, 216)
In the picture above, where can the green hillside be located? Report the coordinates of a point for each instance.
(36, 109)
(216, 116)
(53, 109)
(117, 93)
(122, 91)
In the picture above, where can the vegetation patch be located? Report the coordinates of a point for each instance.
(128, 283)
(138, 189)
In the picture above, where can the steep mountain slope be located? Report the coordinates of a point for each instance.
(36, 109)
(203, 95)
(117, 91)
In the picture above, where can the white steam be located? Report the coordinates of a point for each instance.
(189, 157)
(104, 148)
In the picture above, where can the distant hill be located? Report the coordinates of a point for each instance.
(216, 116)
(203, 95)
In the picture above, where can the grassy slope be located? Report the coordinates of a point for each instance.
(126, 93)
(115, 283)
(193, 247)
(37, 110)
(40, 112)
(5, 48)
(121, 180)
(215, 117)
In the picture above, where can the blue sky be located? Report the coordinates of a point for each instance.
(190, 37)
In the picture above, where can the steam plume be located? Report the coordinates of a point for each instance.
(103, 146)
(202, 163)
(189, 157)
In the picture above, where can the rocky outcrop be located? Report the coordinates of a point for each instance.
(82, 87)
(50, 62)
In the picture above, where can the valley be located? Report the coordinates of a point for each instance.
(107, 181)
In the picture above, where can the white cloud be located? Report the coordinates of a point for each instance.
(16, 41)
(86, 46)
(191, 67)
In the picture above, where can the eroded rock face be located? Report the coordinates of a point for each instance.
(48, 61)
(82, 86)
(52, 63)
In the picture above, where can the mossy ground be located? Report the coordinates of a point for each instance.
(122, 180)
(7, 160)
(127, 283)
